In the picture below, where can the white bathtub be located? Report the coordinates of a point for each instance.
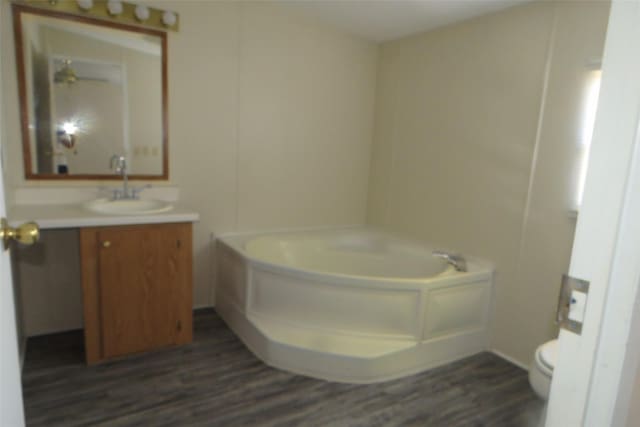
(351, 305)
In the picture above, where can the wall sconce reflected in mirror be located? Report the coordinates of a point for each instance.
(67, 135)
(65, 138)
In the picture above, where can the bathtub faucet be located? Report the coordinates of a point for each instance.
(457, 261)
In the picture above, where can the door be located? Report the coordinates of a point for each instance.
(134, 294)
(135, 288)
(11, 410)
(589, 373)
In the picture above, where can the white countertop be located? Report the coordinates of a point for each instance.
(74, 215)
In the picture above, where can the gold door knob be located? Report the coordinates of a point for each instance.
(106, 244)
(27, 233)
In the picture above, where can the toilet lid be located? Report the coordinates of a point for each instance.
(549, 353)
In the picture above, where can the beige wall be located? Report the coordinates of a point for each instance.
(453, 161)
(281, 111)
(271, 120)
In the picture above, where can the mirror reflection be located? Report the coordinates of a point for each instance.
(90, 92)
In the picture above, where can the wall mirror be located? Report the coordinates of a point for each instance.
(89, 90)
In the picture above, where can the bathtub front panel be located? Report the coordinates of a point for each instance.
(231, 275)
(334, 306)
(457, 309)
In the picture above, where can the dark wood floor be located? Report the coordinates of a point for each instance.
(216, 381)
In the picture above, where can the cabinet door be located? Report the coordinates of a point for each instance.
(143, 278)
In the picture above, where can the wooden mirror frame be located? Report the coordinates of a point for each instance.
(18, 10)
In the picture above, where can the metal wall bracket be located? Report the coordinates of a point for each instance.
(572, 303)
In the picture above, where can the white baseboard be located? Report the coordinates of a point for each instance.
(510, 359)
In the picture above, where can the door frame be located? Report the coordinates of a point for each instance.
(589, 379)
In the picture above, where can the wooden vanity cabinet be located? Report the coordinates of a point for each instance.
(137, 287)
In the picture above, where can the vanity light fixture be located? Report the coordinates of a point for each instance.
(123, 12)
(142, 13)
(114, 7)
(169, 18)
(85, 4)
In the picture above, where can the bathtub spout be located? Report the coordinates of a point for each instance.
(457, 261)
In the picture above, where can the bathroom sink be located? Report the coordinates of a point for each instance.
(127, 206)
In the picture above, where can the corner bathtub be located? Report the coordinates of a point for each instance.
(350, 305)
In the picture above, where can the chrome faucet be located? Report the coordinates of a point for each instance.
(457, 261)
(119, 165)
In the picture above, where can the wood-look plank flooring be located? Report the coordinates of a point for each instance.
(216, 381)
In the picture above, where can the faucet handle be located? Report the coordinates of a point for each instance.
(118, 163)
(456, 260)
(135, 192)
(440, 254)
(116, 194)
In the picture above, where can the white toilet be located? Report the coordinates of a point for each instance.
(541, 368)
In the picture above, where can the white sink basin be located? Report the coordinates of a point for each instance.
(127, 207)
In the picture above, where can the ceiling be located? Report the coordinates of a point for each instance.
(384, 20)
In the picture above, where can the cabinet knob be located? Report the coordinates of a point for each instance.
(106, 244)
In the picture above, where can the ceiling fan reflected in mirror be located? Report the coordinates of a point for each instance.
(67, 75)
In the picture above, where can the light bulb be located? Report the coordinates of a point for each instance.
(114, 7)
(142, 12)
(85, 4)
(169, 18)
